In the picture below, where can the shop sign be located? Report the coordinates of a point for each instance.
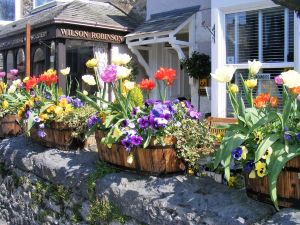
(88, 35)
(21, 40)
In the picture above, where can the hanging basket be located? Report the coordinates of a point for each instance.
(58, 135)
(154, 160)
(9, 126)
(288, 186)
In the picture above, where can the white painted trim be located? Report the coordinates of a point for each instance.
(286, 34)
(266, 65)
(260, 36)
(179, 51)
(297, 42)
(181, 26)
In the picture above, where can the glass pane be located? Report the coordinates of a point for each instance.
(273, 35)
(21, 62)
(230, 38)
(1, 62)
(290, 56)
(7, 10)
(41, 2)
(38, 62)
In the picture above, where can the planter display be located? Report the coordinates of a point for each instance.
(9, 126)
(152, 160)
(58, 135)
(288, 186)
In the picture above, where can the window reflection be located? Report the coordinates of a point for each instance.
(21, 62)
(7, 10)
(38, 3)
(38, 62)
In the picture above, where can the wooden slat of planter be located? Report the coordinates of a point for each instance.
(153, 160)
(9, 126)
(288, 186)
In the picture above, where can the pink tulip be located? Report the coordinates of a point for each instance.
(109, 74)
(11, 77)
(2, 74)
(14, 72)
(278, 80)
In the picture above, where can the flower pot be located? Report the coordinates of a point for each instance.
(9, 126)
(153, 160)
(288, 186)
(59, 136)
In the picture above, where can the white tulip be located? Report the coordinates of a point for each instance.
(291, 78)
(120, 59)
(89, 79)
(224, 74)
(65, 71)
(254, 67)
(17, 83)
(129, 85)
(12, 89)
(123, 72)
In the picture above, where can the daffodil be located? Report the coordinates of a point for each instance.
(234, 88)
(129, 85)
(65, 71)
(268, 153)
(260, 168)
(251, 83)
(89, 79)
(224, 74)
(5, 104)
(92, 63)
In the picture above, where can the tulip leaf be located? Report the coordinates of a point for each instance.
(265, 144)
(274, 171)
(264, 120)
(89, 101)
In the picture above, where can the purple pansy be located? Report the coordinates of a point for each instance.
(194, 114)
(36, 119)
(42, 126)
(287, 137)
(237, 153)
(41, 133)
(249, 166)
(135, 111)
(298, 137)
(136, 140)
(77, 103)
(143, 122)
(126, 143)
(94, 119)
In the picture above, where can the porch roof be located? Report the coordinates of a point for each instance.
(164, 22)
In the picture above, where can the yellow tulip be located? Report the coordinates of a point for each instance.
(252, 83)
(92, 63)
(25, 79)
(234, 88)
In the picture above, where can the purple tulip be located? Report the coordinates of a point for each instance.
(2, 74)
(278, 80)
(109, 74)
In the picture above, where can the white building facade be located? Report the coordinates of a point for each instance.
(231, 32)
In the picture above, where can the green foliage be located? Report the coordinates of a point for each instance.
(38, 192)
(76, 217)
(101, 170)
(77, 119)
(198, 66)
(104, 211)
(137, 97)
(58, 192)
(193, 141)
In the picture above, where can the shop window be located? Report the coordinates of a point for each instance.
(7, 10)
(21, 62)
(52, 54)
(38, 3)
(266, 35)
(10, 61)
(38, 62)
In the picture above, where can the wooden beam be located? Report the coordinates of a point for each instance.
(27, 50)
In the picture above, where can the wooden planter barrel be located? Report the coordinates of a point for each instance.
(155, 160)
(9, 126)
(58, 135)
(288, 186)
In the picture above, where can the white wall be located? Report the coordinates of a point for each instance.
(158, 6)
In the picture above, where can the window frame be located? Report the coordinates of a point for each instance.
(35, 6)
(264, 65)
(3, 22)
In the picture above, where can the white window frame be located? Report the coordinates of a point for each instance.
(218, 49)
(284, 64)
(17, 6)
(35, 6)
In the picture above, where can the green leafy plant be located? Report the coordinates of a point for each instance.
(198, 66)
(194, 141)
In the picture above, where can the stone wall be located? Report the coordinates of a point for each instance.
(48, 186)
(27, 6)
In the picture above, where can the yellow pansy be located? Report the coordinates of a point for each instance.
(252, 83)
(58, 110)
(51, 109)
(43, 117)
(91, 63)
(191, 172)
(5, 104)
(232, 181)
(68, 108)
(268, 153)
(234, 88)
(63, 102)
(244, 153)
(117, 132)
(102, 115)
(258, 136)
(29, 103)
(260, 168)
(20, 112)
